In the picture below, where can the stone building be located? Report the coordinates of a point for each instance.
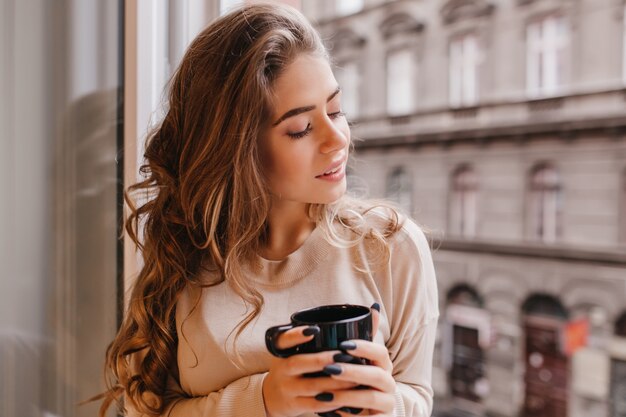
(500, 126)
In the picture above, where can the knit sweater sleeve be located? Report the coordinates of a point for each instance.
(412, 309)
(242, 397)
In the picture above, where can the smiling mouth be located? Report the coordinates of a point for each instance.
(331, 172)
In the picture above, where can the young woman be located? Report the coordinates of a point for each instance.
(248, 222)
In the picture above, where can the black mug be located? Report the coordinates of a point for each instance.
(337, 323)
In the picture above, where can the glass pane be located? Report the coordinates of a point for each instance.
(61, 116)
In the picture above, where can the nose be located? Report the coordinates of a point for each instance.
(334, 138)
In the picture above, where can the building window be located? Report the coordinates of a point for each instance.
(464, 56)
(228, 5)
(400, 92)
(348, 78)
(624, 44)
(464, 189)
(547, 41)
(346, 7)
(467, 333)
(545, 203)
(400, 189)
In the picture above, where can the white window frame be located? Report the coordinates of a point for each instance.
(156, 34)
(228, 5)
(463, 70)
(547, 41)
(400, 80)
(624, 45)
(349, 79)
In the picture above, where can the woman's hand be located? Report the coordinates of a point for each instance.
(286, 392)
(379, 398)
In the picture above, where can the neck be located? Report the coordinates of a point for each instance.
(288, 227)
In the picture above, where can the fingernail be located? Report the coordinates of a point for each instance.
(343, 358)
(332, 369)
(311, 330)
(325, 397)
(376, 307)
(347, 345)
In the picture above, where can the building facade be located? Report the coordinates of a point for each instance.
(500, 125)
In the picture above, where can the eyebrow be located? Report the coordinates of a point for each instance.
(298, 110)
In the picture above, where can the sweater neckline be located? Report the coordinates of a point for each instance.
(296, 266)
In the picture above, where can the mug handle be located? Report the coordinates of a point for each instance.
(271, 335)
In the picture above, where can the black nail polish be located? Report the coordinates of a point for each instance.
(325, 397)
(332, 369)
(343, 358)
(351, 410)
(347, 345)
(376, 307)
(311, 330)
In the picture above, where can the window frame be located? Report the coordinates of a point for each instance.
(462, 69)
(547, 60)
(409, 83)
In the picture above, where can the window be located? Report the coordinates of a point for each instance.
(463, 202)
(346, 7)
(399, 189)
(400, 73)
(545, 66)
(624, 44)
(228, 5)
(545, 203)
(463, 71)
(349, 79)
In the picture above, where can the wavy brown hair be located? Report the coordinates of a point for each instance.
(205, 201)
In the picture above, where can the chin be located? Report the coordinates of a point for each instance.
(332, 197)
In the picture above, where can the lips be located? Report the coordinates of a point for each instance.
(333, 168)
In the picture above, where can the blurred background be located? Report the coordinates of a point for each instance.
(500, 125)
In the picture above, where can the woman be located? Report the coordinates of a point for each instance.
(247, 223)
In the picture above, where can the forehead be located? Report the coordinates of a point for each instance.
(305, 81)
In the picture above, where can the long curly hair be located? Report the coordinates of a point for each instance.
(204, 200)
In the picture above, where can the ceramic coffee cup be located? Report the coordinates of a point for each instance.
(337, 323)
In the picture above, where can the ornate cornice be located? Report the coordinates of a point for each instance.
(400, 23)
(455, 10)
(347, 38)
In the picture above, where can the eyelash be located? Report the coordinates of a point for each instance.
(308, 129)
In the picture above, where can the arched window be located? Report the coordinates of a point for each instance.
(468, 333)
(400, 188)
(464, 187)
(545, 205)
(546, 376)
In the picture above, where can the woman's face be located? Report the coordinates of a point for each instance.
(305, 149)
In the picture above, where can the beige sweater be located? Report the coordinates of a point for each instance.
(315, 274)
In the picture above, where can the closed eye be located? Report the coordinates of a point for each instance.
(298, 135)
(303, 133)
